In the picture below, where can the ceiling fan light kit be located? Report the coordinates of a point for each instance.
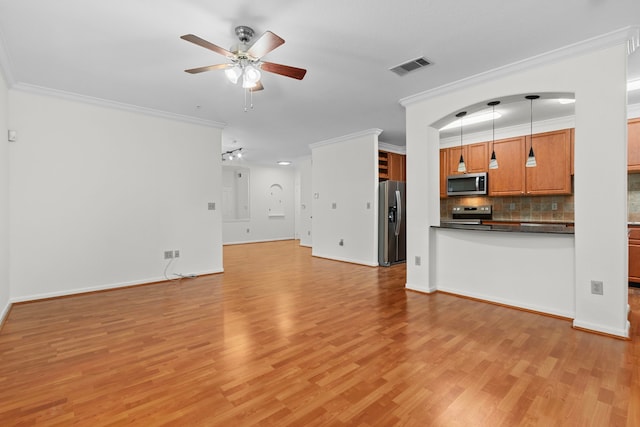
(246, 59)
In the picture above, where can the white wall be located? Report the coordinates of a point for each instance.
(600, 179)
(4, 201)
(263, 225)
(98, 194)
(305, 202)
(345, 175)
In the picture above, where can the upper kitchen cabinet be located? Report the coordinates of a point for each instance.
(509, 178)
(391, 166)
(633, 145)
(443, 173)
(552, 175)
(476, 158)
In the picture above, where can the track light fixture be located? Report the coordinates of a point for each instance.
(232, 154)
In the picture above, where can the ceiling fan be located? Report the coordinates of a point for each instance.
(246, 58)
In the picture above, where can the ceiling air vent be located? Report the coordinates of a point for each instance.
(407, 67)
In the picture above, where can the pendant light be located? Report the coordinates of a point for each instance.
(531, 159)
(461, 166)
(493, 163)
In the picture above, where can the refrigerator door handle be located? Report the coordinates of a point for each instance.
(399, 210)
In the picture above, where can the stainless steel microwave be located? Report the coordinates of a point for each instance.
(467, 184)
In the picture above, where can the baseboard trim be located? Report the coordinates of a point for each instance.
(104, 288)
(5, 313)
(280, 239)
(347, 260)
(601, 330)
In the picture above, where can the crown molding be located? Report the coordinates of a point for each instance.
(397, 149)
(39, 90)
(624, 35)
(368, 132)
(511, 131)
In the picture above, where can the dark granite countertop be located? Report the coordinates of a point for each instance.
(515, 227)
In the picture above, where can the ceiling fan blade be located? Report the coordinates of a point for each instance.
(207, 68)
(207, 45)
(257, 87)
(284, 70)
(265, 44)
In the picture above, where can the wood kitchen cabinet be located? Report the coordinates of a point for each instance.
(509, 178)
(391, 166)
(443, 173)
(552, 175)
(476, 158)
(633, 145)
(634, 254)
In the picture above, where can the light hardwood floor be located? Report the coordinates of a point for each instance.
(282, 338)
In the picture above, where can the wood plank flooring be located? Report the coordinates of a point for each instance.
(285, 339)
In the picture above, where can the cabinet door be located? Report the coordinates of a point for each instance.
(633, 145)
(396, 167)
(573, 150)
(453, 158)
(634, 254)
(443, 173)
(508, 179)
(476, 157)
(552, 175)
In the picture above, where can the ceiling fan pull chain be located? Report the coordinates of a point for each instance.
(245, 100)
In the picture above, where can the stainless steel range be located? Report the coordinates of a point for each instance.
(469, 215)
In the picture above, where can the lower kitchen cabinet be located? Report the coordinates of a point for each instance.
(634, 254)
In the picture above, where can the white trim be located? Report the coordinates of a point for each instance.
(599, 328)
(510, 303)
(39, 90)
(633, 111)
(349, 260)
(242, 242)
(5, 313)
(511, 131)
(420, 289)
(622, 35)
(102, 287)
(304, 245)
(392, 148)
(373, 131)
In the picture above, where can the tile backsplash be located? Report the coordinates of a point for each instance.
(538, 208)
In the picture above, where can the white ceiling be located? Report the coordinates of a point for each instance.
(129, 51)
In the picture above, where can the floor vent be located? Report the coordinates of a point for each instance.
(414, 64)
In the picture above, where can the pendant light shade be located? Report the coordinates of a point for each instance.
(461, 166)
(493, 163)
(531, 159)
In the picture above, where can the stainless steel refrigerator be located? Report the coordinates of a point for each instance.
(392, 243)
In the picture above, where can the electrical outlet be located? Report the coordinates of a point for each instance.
(554, 206)
(418, 260)
(597, 287)
(168, 254)
(341, 242)
(176, 253)
(248, 230)
(211, 206)
(512, 206)
(334, 205)
(368, 205)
